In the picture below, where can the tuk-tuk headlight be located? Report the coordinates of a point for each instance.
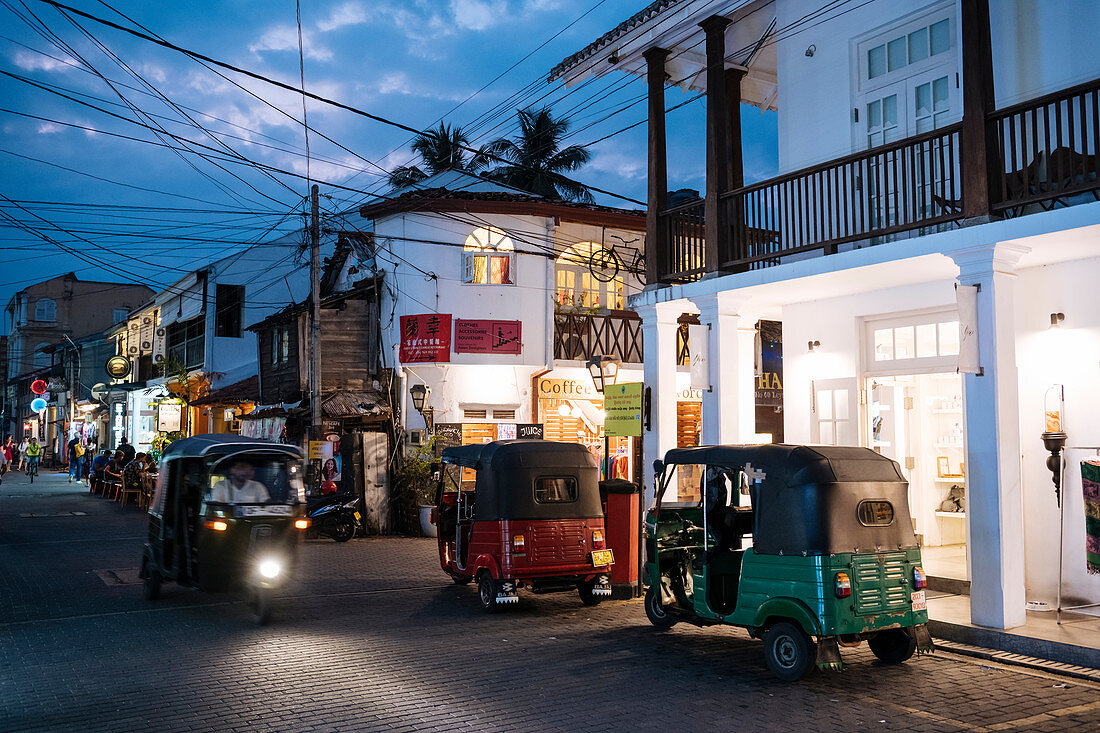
(270, 568)
(920, 580)
(217, 525)
(843, 585)
(301, 524)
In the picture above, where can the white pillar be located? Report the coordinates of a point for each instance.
(729, 407)
(659, 363)
(995, 516)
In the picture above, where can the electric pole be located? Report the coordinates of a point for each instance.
(315, 321)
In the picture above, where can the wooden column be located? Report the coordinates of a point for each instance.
(735, 170)
(656, 236)
(717, 230)
(980, 158)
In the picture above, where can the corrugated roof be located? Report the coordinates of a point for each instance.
(368, 403)
(246, 390)
(646, 13)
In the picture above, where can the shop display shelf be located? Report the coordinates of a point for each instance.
(960, 515)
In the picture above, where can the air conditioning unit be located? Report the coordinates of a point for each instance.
(418, 437)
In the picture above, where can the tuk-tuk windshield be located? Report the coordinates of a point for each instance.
(254, 480)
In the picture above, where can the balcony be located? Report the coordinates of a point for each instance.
(580, 336)
(1044, 154)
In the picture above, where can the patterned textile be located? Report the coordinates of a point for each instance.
(1090, 481)
(131, 475)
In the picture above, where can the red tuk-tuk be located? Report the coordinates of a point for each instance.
(522, 513)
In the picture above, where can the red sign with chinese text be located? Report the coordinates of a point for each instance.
(426, 337)
(487, 337)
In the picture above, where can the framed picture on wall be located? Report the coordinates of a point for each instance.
(943, 466)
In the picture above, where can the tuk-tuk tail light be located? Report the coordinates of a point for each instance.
(597, 539)
(517, 543)
(301, 524)
(920, 579)
(217, 525)
(843, 585)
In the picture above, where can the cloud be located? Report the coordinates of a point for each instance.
(351, 13)
(478, 15)
(619, 164)
(285, 38)
(33, 61)
(49, 128)
(398, 82)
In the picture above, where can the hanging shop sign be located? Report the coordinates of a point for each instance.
(487, 337)
(969, 356)
(622, 404)
(133, 337)
(39, 386)
(38, 404)
(160, 338)
(169, 417)
(145, 342)
(320, 450)
(700, 367)
(117, 367)
(568, 389)
(530, 431)
(266, 428)
(57, 384)
(425, 338)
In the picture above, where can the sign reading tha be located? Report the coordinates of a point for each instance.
(487, 337)
(426, 337)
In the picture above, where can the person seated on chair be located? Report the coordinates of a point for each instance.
(112, 472)
(131, 474)
(239, 487)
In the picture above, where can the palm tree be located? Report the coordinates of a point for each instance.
(535, 160)
(441, 149)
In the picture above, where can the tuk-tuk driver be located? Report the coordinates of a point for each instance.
(719, 517)
(239, 487)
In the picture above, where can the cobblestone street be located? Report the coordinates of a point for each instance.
(372, 636)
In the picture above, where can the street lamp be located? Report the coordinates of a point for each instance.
(604, 369)
(419, 394)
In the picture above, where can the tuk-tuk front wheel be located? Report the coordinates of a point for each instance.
(150, 587)
(487, 592)
(261, 606)
(893, 646)
(656, 614)
(788, 651)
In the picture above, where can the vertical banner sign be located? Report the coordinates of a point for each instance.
(169, 417)
(697, 343)
(969, 358)
(133, 337)
(146, 342)
(425, 338)
(622, 404)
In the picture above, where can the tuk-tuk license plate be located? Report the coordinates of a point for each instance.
(602, 557)
(920, 603)
(271, 510)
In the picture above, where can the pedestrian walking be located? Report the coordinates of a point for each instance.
(76, 453)
(21, 450)
(5, 458)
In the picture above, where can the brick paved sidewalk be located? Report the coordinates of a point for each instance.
(373, 636)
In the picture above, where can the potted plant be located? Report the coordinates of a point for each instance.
(413, 483)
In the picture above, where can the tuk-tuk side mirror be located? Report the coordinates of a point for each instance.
(658, 466)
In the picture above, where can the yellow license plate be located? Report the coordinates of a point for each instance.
(602, 557)
(357, 517)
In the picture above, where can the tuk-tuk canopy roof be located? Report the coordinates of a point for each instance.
(808, 500)
(220, 444)
(507, 471)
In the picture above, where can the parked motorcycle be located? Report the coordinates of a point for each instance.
(333, 515)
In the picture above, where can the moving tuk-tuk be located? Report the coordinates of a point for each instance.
(794, 543)
(227, 514)
(522, 513)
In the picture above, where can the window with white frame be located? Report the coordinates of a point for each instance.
(582, 286)
(907, 79)
(917, 343)
(45, 310)
(488, 258)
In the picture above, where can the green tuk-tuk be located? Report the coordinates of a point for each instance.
(809, 548)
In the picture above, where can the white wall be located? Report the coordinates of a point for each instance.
(1070, 356)
(1038, 47)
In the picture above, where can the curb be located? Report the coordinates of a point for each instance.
(1019, 660)
(1001, 642)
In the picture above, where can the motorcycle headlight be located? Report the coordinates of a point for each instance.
(270, 568)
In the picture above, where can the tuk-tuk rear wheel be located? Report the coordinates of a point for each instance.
(656, 614)
(487, 592)
(588, 598)
(893, 646)
(788, 651)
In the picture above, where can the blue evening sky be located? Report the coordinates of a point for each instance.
(413, 61)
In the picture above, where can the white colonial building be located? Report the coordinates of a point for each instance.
(924, 148)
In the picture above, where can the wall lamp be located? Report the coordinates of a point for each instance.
(811, 50)
(1056, 319)
(419, 394)
(813, 346)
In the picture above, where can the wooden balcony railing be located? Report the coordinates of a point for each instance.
(891, 188)
(1048, 149)
(685, 231)
(580, 336)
